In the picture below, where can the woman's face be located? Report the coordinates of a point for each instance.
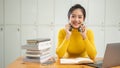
(76, 18)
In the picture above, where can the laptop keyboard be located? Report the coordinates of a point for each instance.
(97, 64)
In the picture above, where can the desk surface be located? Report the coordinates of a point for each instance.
(18, 63)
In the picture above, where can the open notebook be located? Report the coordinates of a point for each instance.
(75, 61)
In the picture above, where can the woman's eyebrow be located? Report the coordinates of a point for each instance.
(75, 15)
(80, 15)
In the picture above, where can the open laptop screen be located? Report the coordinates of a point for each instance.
(112, 55)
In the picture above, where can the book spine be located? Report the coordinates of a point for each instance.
(45, 58)
(35, 41)
(26, 59)
(44, 45)
(40, 46)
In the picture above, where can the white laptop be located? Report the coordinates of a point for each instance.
(111, 57)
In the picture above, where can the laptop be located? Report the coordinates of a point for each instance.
(111, 57)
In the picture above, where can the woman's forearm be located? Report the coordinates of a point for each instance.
(90, 48)
(62, 48)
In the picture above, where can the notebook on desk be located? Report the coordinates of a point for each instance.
(75, 60)
(111, 57)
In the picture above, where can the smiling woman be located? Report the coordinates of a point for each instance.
(75, 40)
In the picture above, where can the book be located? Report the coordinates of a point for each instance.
(35, 41)
(38, 59)
(76, 61)
(34, 54)
(31, 59)
(45, 58)
(37, 51)
(44, 45)
(40, 46)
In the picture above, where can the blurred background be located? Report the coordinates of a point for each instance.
(21, 20)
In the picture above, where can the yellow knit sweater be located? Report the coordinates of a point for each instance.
(76, 46)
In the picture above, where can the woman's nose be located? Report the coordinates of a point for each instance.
(77, 19)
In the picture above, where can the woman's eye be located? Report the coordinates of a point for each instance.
(73, 16)
(80, 17)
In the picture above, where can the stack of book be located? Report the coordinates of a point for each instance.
(37, 50)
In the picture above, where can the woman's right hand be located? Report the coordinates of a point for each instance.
(68, 33)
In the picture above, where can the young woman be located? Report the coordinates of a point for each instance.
(75, 40)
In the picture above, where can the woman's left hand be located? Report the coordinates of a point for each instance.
(83, 31)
